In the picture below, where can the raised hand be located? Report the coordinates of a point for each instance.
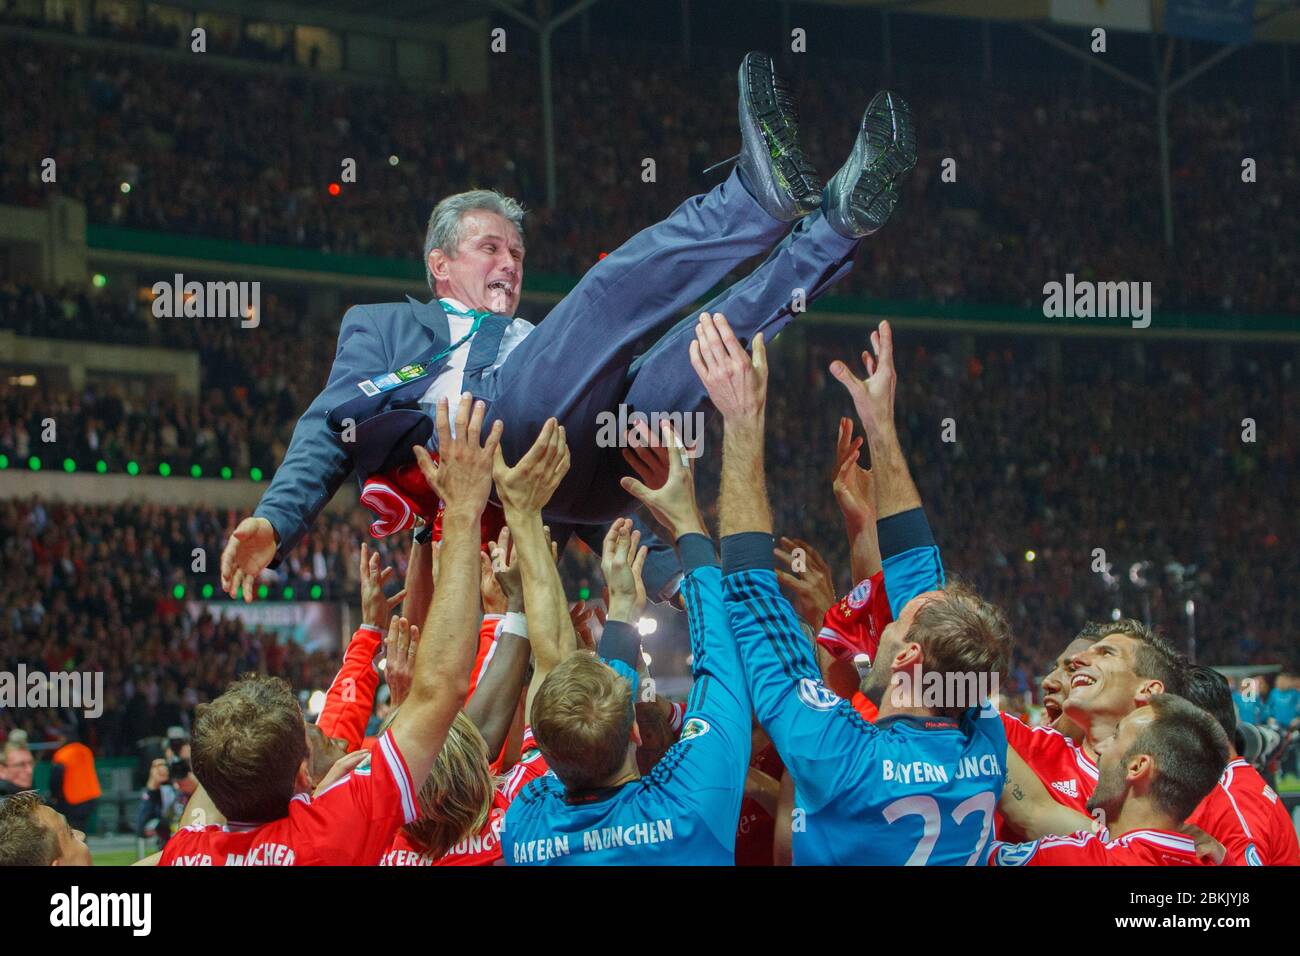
(672, 500)
(647, 456)
(463, 475)
(400, 646)
(621, 561)
(507, 569)
(735, 381)
(584, 619)
(246, 555)
(494, 598)
(850, 482)
(811, 590)
(374, 604)
(873, 396)
(528, 486)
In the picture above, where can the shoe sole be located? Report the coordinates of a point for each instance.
(888, 120)
(771, 104)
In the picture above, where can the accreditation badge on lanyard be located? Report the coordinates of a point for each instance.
(373, 386)
(407, 373)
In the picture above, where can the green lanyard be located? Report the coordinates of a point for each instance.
(474, 314)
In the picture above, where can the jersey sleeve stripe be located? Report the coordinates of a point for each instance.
(1226, 783)
(401, 774)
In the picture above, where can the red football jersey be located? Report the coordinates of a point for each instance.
(484, 847)
(853, 624)
(1246, 816)
(351, 696)
(488, 632)
(1135, 848)
(1067, 772)
(350, 823)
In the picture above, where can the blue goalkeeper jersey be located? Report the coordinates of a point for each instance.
(905, 790)
(685, 812)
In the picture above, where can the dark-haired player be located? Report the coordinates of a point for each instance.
(1242, 811)
(1159, 763)
(1125, 665)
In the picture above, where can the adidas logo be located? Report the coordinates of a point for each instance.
(1068, 787)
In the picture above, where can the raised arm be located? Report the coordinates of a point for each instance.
(524, 490)
(712, 753)
(351, 696)
(494, 702)
(908, 552)
(421, 571)
(855, 493)
(462, 480)
(792, 703)
(313, 468)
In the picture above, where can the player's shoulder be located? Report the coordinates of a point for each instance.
(1034, 734)
(539, 793)
(191, 845)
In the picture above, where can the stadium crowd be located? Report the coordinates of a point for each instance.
(1022, 145)
(1035, 433)
(521, 728)
(576, 762)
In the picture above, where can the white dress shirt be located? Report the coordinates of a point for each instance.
(448, 383)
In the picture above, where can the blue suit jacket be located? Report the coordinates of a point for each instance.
(373, 340)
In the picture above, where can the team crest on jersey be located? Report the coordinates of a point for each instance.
(859, 596)
(1016, 854)
(1252, 856)
(817, 695)
(695, 727)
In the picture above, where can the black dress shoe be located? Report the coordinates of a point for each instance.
(772, 166)
(861, 196)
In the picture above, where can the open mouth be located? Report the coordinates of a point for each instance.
(500, 285)
(1082, 680)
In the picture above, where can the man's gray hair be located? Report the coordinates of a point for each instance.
(444, 230)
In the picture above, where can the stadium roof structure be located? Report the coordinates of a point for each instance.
(1274, 20)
